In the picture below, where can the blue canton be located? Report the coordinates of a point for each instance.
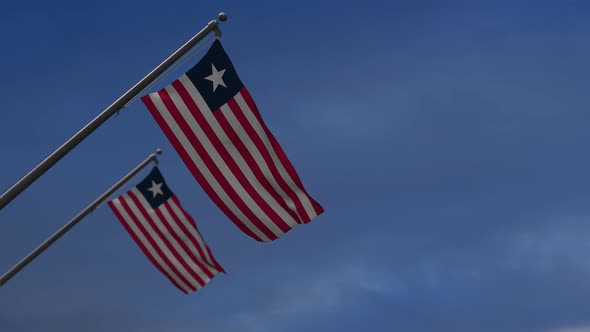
(155, 199)
(215, 60)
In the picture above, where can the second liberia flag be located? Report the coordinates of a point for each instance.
(166, 234)
(211, 120)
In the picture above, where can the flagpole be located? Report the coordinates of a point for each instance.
(46, 164)
(25, 261)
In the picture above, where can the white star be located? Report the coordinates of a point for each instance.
(156, 188)
(216, 77)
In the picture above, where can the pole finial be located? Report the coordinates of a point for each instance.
(154, 156)
(222, 16)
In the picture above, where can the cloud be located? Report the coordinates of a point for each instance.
(551, 243)
(576, 329)
(316, 293)
(332, 289)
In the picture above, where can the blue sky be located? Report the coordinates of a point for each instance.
(446, 140)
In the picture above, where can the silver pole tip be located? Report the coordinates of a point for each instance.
(158, 151)
(222, 16)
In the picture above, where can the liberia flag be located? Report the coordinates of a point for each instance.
(211, 120)
(166, 234)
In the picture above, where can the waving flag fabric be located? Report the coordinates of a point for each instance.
(213, 123)
(166, 234)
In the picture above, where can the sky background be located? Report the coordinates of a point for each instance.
(447, 141)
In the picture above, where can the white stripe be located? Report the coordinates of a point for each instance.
(185, 236)
(262, 134)
(232, 150)
(219, 162)
(242, 164)
(257, 156)
(160, 242)
(177, 247)
(146, 244)
(198, 162)
(193, 232)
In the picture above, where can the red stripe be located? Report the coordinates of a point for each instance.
(227, 158)
(197, 260)
(185, 230)
(192, 221)
(135, 219)
(140, 244)
(165, 240)
(196, 257)
(279, 151)
(249, 158)
(239, 114)
(210, 164)
(194, 169)
(215, 263)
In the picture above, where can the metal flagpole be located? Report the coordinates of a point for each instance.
(25, 261)
(46, 164)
